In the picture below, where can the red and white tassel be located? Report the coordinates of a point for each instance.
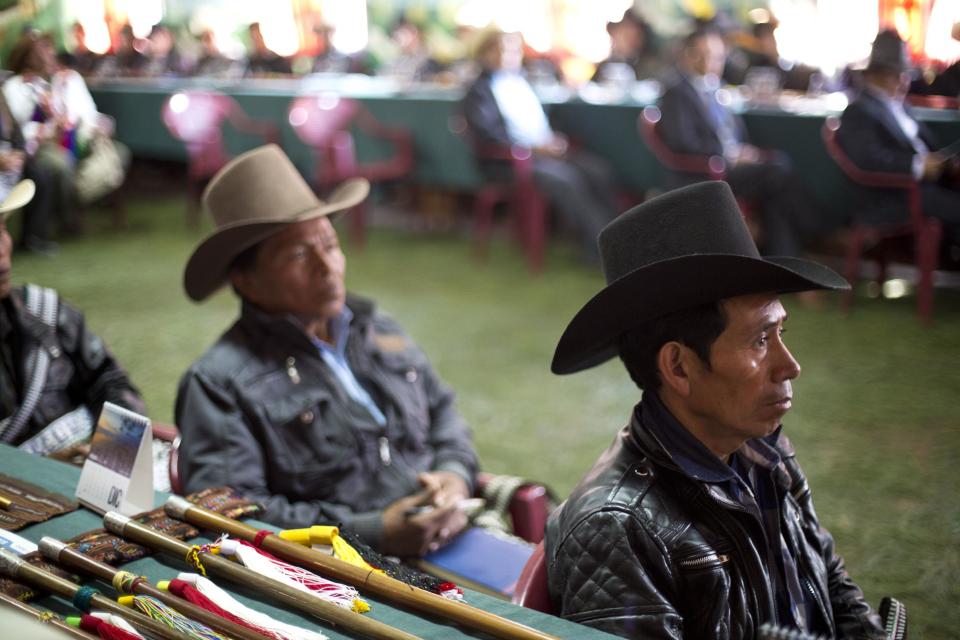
(106, 626)
(217, 600)
(269, 566)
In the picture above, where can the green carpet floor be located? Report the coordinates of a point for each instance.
(875, 419)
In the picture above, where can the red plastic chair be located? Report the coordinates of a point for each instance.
(325, 122)
(196, 119)
(710, 167)
(526, 203)
(532, 591)
(926, 232)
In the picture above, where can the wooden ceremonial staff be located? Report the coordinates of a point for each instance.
(13, 603)
(363, 579)
(19, 569)
(235, 572)
(59, 552)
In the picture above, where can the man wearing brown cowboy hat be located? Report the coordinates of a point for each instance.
(313, 403)
(56, 374)
(697, 521)
(878, 133)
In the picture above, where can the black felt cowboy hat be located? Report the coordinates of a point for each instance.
(679, 250)
(253, 197)
(889, 53)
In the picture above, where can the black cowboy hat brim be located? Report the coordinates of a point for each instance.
(672, 285)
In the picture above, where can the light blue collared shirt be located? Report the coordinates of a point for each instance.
(335, 356)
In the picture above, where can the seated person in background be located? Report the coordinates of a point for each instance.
(163, 58)
(412, 60)
(212, 62)
(56, 374)
(501, 108)
(261, 59)
(127, 59)
(633, 45)
(81, 59)
(697, 522)
(61, 127)
(878, 133)
(762, 52)
(15, 165)
(314, 404)
(695, 121)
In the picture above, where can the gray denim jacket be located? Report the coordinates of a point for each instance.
(261, 412)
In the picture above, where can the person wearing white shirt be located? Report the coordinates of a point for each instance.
(502, 108)
(879, 133)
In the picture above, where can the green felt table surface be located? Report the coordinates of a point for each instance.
(62, 478)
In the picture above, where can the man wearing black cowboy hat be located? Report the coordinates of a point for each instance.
(878, 133)
(697, 521)
(314, 403)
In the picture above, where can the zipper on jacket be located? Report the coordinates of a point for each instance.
(706, 560)
(820, 605)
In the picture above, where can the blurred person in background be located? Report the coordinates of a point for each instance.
(761, 52)
(16, 165)
(212, 62)
(502, 108)
(163, 58)
(62, 130)
(633, 44)
(330, 59)
(261, 59)
(56, 374)
(314, 404)
(80, 59)
(695, 121)
(127, 59)
(947, 82)
(879, 133)
(412, 59)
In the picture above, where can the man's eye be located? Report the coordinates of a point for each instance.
(762, 340)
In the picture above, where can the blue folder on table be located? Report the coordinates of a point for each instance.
(481, 559)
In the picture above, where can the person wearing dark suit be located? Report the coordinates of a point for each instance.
(878, 133)
(501, 108)
(695, 121)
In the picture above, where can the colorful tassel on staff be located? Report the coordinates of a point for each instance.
(204, 593)
(268, 566)
(94, 623)
(170, 617)
(328, 537)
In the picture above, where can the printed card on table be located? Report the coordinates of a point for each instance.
(118, 473)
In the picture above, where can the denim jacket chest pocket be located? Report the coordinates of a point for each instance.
(299, 423)
(403, 373)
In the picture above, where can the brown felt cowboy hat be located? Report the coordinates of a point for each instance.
(682, 249)
(20, 195)
(255, 196)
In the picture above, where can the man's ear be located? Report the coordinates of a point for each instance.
(241, 282)
(673, 363)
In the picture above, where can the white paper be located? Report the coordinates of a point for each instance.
(118, 473)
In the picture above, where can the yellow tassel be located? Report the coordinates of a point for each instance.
(126, 601)
(193, 559)
(329, 536)
(359, 606)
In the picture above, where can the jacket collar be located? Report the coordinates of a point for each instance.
(288, 327)
(32, 328)
(670, 444)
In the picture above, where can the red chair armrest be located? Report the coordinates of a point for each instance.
(529, 508)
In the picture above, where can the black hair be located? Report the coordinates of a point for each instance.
(696, 327)
(702, 31)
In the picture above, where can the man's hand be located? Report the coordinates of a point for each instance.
(933, 166)
(425, 521)
(556, 148)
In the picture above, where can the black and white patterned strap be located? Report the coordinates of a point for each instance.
(43, 303)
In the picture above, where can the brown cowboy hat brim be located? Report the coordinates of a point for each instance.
(208, 268)
(20, 195)
(664, 287)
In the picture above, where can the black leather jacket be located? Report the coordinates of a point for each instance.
(262, 412)
(642, 550)
(82, 370)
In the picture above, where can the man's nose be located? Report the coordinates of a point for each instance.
(787, 366)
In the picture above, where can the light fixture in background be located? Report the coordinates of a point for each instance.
(349, 21)
(279, 28)
(141, 14)
(89, 13)
(895, 288)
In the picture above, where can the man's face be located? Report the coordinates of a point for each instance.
(6, 248)
(299, 271)
(706, 55)
(746, 391)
